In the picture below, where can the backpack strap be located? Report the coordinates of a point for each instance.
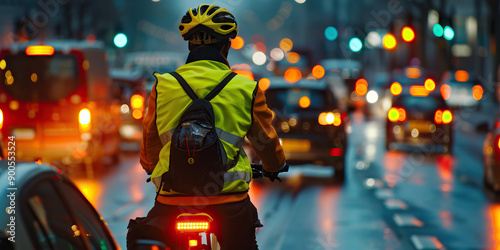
(185, 85)
(220, 86)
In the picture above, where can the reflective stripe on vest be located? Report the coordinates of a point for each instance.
(223, 135)
(238, 175)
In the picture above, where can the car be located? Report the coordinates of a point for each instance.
(45, 210)
(491, 156)
(461, 90)
(419, 117)
(309, 122)
(129, 88)
(57, 102)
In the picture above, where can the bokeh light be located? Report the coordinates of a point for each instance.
(292, 75)
(304, 102)
(355, 44)
(286, 44)
(318, 71)
(277, 54)
(331, 33)
(389, 41)
(264, 84)
(237, 43)
(259, 58)
(293, 57)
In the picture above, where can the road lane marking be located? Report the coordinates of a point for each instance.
(426, 242)
(384, 193)
(407, 220)
(395, 204)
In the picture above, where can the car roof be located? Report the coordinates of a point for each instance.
(126, 74)
(280, 83)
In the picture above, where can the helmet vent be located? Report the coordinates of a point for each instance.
(226, 27)
(203, 9)
(212, 10)
(223, 18)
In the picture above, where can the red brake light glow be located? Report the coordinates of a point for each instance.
(438, 117)
(447, 117)
(137, 101)
(445, 91)
(39, 50)
(443, 116)
(397, 114)
(1, 119)
(335, 152)
(193, 226)
(430, 85)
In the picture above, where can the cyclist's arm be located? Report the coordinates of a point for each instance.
(151, 144)
(263, 136)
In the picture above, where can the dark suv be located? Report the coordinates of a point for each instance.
(309, 122)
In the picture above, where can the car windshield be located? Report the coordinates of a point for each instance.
(422, 103)
(289, 99)
(40, 78)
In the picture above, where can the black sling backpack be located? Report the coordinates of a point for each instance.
(197, 157)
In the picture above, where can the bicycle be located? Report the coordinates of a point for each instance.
(194, 230)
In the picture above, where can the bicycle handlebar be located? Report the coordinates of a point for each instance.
(259, 172)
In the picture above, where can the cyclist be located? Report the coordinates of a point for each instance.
(240, 110)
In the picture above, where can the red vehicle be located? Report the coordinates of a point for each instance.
(55, 99)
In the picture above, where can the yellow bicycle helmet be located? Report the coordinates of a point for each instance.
(208, 24)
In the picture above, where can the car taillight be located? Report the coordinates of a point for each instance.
(39, 50)
(443, 116)
(137, 101)
(1, 119)
(137, 104)
(329, 118)
(84, 120)
(201, 226)
(361, 87)
(397, 114)
(335, 152)
(438, 116)
(84, 117)
(447, 117)
(445, 91)
(396, 88)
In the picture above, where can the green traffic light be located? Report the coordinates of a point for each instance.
(438, 30)
(120, 40)
(355, 44)
(448, 33)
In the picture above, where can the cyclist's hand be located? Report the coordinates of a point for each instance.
(272, 176)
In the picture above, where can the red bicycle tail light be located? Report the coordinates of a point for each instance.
(39, 50)
(199, 226)
(438, 117)
(193, 243)
(447, 117)
(393, 114)
(1, 119)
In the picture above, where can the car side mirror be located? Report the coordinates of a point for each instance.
(482, 127)
(144, 244)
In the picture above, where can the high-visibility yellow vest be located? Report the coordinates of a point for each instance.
(232, 110)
